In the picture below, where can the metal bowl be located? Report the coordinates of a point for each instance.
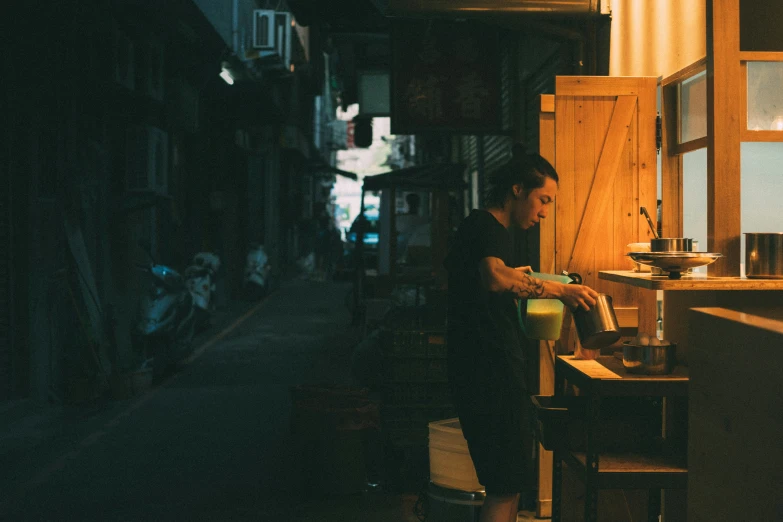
(649, 360)
(674, 262)
(671, 244)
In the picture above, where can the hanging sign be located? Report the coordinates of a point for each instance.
(445, 77)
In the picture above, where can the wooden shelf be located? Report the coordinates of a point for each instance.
(634, 470)
(688, 282)
(592, 376)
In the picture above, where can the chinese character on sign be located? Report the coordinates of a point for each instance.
(425, 97)
(471, 91)
(446, 75)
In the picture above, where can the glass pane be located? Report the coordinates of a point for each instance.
(762, 187)
(693, 108)
(765, 96)
(694, 199)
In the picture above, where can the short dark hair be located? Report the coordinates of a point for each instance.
(529, 170)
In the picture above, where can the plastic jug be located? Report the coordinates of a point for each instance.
(544, 316)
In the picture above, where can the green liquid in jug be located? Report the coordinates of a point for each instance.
(544, 324)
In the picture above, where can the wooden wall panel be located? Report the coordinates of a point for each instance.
(584, 108)
(566, 202)
(546, 349)
(723, 136)
(598, 214)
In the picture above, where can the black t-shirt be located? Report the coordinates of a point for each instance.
(486, 359)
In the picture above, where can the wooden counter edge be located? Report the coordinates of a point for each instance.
(698, 282)
(744, 318)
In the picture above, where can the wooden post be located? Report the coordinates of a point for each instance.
(671, 165)
(723, 135)
(546, 349)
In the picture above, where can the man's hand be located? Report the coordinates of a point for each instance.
(575, 296)
(525, 269)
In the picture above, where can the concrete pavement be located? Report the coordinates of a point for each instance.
(212, 442)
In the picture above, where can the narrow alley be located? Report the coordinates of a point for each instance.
(210, 442)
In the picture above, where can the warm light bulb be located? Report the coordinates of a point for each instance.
(291, 67)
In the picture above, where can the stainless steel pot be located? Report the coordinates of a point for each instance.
(671, 244)
(649, 360)
(597, 328)
(764, 255)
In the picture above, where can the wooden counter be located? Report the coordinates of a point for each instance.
(688, 282)
(607, 375)
(757, 296)
(655, 468)
(734, 449)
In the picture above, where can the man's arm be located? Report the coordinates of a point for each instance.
(499, 278)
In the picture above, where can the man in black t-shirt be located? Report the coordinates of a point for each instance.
(486, 362)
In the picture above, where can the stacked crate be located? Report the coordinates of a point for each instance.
(415, 387)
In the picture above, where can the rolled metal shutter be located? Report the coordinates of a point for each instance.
(497, 151)
(470, 152)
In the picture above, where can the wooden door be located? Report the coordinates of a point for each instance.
(599, 133)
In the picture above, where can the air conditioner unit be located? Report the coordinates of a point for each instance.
(124, 61)
(263, 29)
(280, 56)
(147, 159)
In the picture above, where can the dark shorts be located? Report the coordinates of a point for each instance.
(498, 448)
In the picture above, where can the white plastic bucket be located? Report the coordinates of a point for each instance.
(450, 462)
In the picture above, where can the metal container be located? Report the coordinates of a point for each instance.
(453, 505)
(597, 328)
(764, 255)
(671, 244)
(649, 360)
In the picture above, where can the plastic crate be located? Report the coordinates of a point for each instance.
(409, 369)
(439, 394)
(411, 422)
(401, 342)
(405, 393)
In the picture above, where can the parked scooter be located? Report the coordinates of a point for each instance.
(200, 278)
(256, 272)
(165, 322)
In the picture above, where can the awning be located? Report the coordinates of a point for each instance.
(319, 165)
(446, 175)
(324, 168)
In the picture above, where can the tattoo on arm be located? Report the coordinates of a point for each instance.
(529, 287)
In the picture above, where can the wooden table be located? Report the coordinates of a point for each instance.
(652, 470)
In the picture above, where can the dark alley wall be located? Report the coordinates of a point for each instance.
(118, 126)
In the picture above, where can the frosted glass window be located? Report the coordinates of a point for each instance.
(765, 96)
(693, 108)
(694, 199)
(762, 189)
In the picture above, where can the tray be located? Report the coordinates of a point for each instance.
(675, 262)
